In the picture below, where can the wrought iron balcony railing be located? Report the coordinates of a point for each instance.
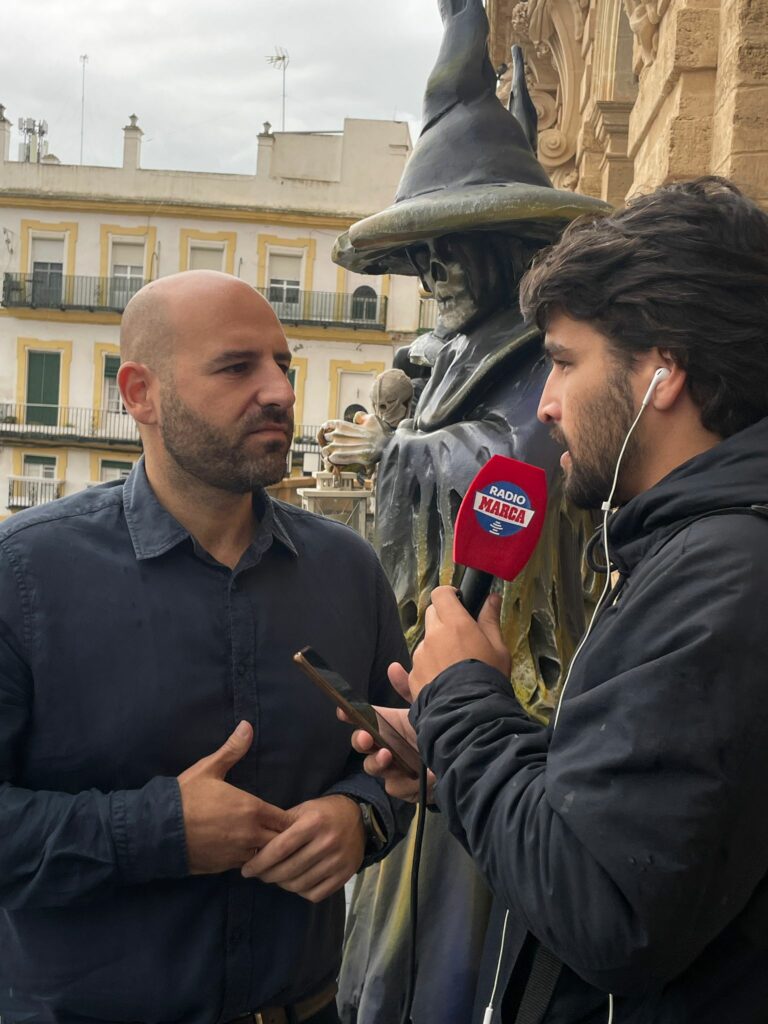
(31, 421)
(91, 294)
(95, 426)
(338, 309)
(56, 291)
(26, 491)
(305, 438)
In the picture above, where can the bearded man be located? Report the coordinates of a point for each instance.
(628, 841)
(146, 635)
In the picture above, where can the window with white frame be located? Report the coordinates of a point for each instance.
(364, 303)
(284, 281)
(47, 271)
(114, 469)
(41, 467)
(126, 272)
(38, 484)
(206, 257)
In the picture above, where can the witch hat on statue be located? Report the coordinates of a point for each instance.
(472, 167)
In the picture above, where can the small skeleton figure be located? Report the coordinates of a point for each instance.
(362, 440)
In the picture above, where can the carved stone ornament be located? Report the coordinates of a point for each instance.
(549, 32)
(644, 18)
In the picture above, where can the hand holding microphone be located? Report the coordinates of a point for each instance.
(453, 635)
(497, 529)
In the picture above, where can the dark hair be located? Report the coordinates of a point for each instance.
(683, 269)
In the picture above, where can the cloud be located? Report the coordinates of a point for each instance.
(196, 73)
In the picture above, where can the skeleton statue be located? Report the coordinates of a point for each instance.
(473, 207)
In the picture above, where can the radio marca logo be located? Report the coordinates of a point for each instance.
(503, 509)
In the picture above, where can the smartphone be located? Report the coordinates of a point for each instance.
(360, 713)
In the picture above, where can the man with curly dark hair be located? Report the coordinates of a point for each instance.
(628, 841)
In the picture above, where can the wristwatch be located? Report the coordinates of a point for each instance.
(375, 836)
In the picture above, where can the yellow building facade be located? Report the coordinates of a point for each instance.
(79, 241)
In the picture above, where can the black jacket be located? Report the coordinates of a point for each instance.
(633, 840)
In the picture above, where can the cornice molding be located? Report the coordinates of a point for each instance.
(207, 211)
(310, 333)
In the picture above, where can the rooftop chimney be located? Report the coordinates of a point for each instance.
(264, 154)
(5, 136)
(132, 143)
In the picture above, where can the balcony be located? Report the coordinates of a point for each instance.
(76, 292)
(330, 309)
(27, 491)
(111, 294)
(66, 423)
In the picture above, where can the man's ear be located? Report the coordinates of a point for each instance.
(668, 391)
(136, 381)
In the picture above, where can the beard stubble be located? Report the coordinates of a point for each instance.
(220, 460)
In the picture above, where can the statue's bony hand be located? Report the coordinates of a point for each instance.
(344, 444)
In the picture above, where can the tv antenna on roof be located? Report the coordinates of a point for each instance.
(280, 59)
(83, 61)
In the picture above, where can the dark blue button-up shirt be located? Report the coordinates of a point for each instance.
(126, 654)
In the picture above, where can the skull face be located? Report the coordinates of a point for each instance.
(444, 273)
(391, 396)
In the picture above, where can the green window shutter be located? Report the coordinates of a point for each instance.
(111, 366)
(43, 369)
(39, 460)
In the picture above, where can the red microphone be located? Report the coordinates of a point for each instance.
(498, 525)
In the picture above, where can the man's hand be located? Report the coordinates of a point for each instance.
(319, 851)
(224, 825)
(452, 635)
(379, 762)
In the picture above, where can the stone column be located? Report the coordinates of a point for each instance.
(610, 122)
(676, 52)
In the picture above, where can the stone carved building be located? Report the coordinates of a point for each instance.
(635, 93)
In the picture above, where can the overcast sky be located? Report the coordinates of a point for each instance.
(195, 72)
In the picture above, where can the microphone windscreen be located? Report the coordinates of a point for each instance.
(501, 517)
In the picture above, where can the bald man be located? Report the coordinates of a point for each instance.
(178, 809)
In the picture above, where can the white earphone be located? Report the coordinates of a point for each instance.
(661, 374)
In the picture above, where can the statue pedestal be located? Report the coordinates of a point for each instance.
(345, 505)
